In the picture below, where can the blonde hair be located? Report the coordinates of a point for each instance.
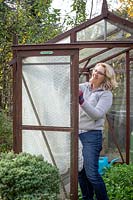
(110, 82)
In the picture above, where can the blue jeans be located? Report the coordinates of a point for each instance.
(90, 180)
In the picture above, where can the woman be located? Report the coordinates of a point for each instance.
(95, 99)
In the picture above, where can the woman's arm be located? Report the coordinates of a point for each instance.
(102, 107)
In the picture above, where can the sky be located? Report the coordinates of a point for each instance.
(64, 5)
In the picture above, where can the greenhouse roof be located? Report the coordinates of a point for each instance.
(106, 27)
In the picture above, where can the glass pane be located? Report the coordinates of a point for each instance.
(116, 33)
(45, 60)
(105, 30)
(89, 52)
(56, 152)
(117, 113)
(82, 78)
(46, 91)
(92, 33)
(65, 40)
(116, 129)
(82, 65)
(105, 55)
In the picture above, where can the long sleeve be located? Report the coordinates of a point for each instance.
(102, 107)
(94, 108)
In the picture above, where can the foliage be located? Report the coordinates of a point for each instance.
(127, 6)
(119, 181)
(5, 132)
(32, 21)
(79, 193)
(26, 177)
(78, 8)
(126, 9)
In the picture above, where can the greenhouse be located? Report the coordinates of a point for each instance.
(46, 79)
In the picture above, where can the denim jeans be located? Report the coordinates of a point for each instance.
(90, 180)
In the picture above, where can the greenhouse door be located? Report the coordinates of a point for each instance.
(46, 110)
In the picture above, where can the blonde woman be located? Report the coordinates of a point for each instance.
(95, 99)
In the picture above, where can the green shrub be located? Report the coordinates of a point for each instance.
(119, 182)
(26, 177)
(6, 136)
(79, 193)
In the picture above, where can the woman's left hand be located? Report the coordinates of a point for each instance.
(81, 98)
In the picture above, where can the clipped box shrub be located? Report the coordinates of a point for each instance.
(27, 177)
(119, 182)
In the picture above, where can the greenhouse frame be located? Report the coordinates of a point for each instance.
(45, 94)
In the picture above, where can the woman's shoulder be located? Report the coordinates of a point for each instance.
(84, 86)
(106, 93)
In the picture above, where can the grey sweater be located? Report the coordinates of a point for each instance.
(94, 108)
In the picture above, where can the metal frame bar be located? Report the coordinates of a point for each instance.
(64, 46)
(127, 106)
(75, 119)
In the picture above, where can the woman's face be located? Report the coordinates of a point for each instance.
(98, 75)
